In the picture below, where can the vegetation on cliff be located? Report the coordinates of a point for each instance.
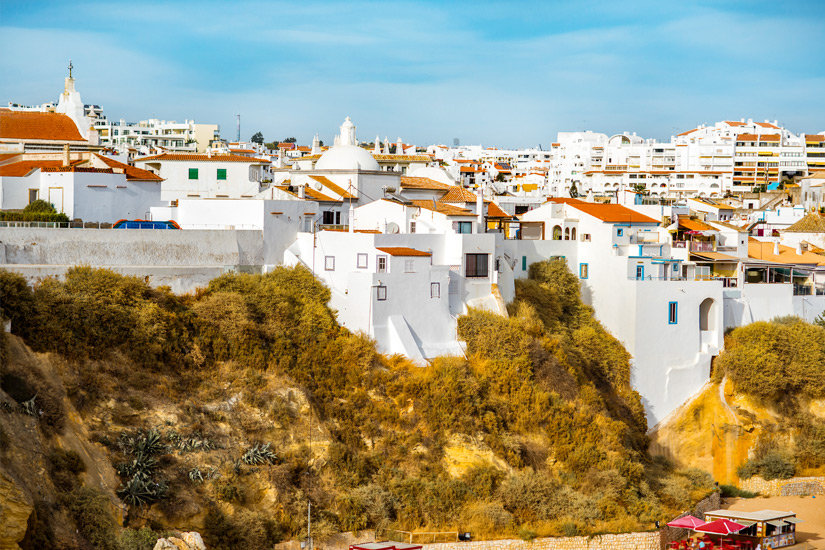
(780, 364)
(228, 410)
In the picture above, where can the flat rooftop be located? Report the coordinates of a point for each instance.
(761, 515)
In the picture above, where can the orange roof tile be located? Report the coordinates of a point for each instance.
(767, 125)
(611, 213)
(688, 132)
(25, 167)
(8, 156)
(132, 173)
(694, 225)
(494, 211)
(814, 137)
(403, 158)
(769, 137)
(746, 137)
(402, 251)
(408, 182)
(311, 193)
(457, 193)
(734, 123)
(37, 126)
(201, 157)
(242, 151)
(759, 250)
(334, 187)
(443, 208)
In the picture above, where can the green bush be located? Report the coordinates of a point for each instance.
(140, 539)
(40, 206)
(92, 514)
(772, 465)
(7, 216)
(728, 491)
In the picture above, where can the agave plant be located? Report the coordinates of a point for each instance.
(29, 407)
(138, 491)
(195, 475)
(259, 454)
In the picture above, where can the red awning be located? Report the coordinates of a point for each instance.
(720, 527)
(686, 522)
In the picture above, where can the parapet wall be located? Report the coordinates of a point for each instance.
(622, 541)
(795, 486)
(130, 247)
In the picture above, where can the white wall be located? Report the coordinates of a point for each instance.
(758, 302)
(241, 179)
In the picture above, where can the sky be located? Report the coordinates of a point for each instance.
(504, 74)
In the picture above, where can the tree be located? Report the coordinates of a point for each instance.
(258, 138)
(290, 140)
(640, 188)
(574, 193)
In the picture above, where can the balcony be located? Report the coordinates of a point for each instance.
(695, 246)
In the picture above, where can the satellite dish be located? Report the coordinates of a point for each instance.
(317, 185)
(393, 228)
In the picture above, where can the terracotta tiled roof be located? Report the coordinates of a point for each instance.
(408, 182)
(443, 208)
(494, 211)
(734, 123)
(192, 157)
(812, 223)
(403, 158)
(746, 137)
(334, 187)
(769, 137)
(8, 156)
(242, 151)
(36, 125)
(759, 250)
(767, 125)
(457, 193)
(694, 225)
(612, 213)
(311, 193)
(688, 132)
(813, 138)
(402, 251)
(25, 167)
(132, 173)
(286, 145)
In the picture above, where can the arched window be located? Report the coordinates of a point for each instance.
(566, 233)
(706, 315)
(557, 233)
(573, 234)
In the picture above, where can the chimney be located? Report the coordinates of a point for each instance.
(67, 159)
(302, 191)
(480, 210)
(799, 248)
(776, 248)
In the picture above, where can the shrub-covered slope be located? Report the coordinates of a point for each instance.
(764, 410)
(228, 410)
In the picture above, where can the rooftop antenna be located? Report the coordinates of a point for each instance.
(238, 138)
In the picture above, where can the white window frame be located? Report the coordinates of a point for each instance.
(361, 260)
(381, 293)
(409, 266)
(435, 290)
(329, 263)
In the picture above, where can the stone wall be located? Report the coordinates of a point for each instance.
(794, 486)
(623, 541)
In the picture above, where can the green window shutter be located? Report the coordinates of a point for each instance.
(221, 173)
(193, 173)
(524, 263)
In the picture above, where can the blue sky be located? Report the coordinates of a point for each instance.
(507, 74)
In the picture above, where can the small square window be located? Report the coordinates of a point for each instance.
(361, 261)
(619, 232)
(193, 173)
(672, 313)
(381, 293)
(412, 227)
(409, 266)
(464, 227)
(221, 173)
(584, 271)
(435, 290)
(329, 263)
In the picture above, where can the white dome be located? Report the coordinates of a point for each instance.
(347, 157)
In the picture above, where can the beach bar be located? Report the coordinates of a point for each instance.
(768, 528)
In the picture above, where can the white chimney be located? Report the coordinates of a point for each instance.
(799, 248)
(480, 210)
(776, 248)
(302, 191)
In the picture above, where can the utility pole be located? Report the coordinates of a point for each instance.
(238, 138)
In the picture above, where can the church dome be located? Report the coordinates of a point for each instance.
(347, 157)
(345, 154)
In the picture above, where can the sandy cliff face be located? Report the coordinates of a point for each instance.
(718, 429)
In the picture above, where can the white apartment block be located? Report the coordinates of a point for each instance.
(180, 137)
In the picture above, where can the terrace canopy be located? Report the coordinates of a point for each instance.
(720, 527)
(686, 522)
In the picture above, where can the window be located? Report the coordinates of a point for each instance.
(585, 237)
(329, 263)
(476, 265)
(193, 173)
(435, 290)
(566, 233)
(640, 272)
(573, 234)
(33, 195)
(620, 232)
(524, 263)
(464, 227)
(412, 227)
(381, 293)
(381, 264)
(672, 312)
(583, 271)
(675, 268)
(409, 266)
(221, 174)
(361, 261)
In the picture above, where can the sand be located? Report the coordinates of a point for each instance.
(809, 509)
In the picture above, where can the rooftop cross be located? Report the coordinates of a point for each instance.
(70, 68)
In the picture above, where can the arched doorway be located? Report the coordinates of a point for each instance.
(573, 234)
(707, 315)
(557, 233)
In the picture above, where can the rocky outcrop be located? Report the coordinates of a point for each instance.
(187, 541)
(15, 509)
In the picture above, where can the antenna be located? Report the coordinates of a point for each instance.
(238, 138)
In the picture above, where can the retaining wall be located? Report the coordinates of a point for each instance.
(622, 541)
(795, 486)
(710, 502)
